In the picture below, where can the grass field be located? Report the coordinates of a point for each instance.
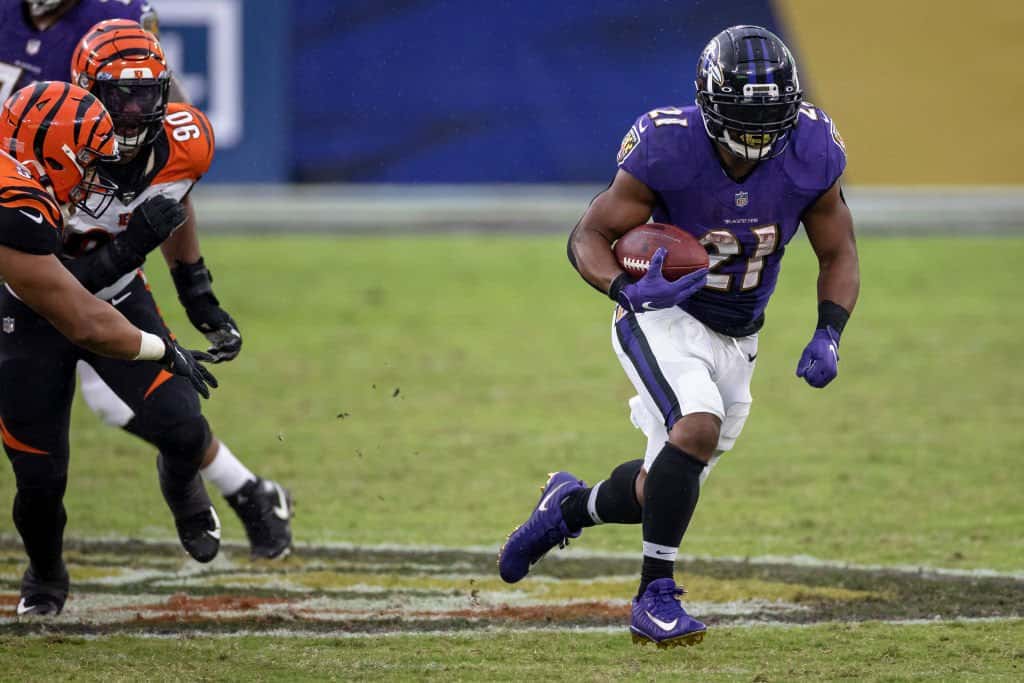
(417, 390)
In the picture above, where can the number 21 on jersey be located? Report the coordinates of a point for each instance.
(725, 246)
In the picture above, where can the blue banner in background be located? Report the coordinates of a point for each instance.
(434, 90)
(232, 58)
(464, 91)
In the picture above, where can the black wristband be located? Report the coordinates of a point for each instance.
(617, 284)
(831, 314)
(193, 281)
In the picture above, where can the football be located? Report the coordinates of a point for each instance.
(635, 249)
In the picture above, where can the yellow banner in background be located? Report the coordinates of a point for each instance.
(925, 92)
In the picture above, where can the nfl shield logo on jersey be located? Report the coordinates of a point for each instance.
(32, 46)
(742, 199)
(8, 325)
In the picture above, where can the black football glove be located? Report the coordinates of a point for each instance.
(152, 222)
(195, 291)
(185, 363)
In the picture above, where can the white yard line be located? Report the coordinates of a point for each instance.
(489, 632)
(579, 554)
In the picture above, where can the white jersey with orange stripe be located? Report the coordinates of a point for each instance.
(170, 166)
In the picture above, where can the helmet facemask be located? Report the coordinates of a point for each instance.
(93, 192)
(753, 125)
(748, 92)
(137, 108)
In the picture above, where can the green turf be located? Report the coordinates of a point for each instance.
(860, 652)
(469, 367)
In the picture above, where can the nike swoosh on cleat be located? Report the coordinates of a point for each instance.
(751, 357)
(281, 509)
(543, 507)
(23, 609)
(215, 531)
(663, 625)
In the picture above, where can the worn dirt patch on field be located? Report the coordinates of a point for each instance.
(136, 587)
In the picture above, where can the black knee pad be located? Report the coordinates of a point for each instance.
(183, 444)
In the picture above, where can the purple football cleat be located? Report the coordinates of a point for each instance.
(544, 529)
(659, 618)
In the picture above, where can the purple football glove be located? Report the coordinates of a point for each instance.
(653, 292)
(819, 364)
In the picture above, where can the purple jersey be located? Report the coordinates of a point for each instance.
(27, 54)
(745, 225)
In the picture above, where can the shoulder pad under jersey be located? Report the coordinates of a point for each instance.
(817, 154)
(657, 149)
(30, 219)
(189, 137)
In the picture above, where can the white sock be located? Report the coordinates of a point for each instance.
(226, 472)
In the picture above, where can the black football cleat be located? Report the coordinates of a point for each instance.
(43, 597)
(265, 508)
(200, 535)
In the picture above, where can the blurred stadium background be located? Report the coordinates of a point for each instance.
(386, 219)
(510, 115)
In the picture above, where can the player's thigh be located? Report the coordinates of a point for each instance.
(156, 397)
(667, 358)
(101, 399)
(37, 366)
(136, 303)
(736, 372)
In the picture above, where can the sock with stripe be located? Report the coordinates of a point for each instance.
(611, 501)
(670, 497)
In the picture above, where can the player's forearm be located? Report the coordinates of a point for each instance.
(96, 326)
(183, 244)
(591, 254)
(839, 277)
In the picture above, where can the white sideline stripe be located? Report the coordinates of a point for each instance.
(553, 208)
(503, 630)
(576, 553)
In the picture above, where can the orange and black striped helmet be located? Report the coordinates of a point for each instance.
(59, 131)
(123, 64)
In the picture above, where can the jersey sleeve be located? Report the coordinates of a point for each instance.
(657, 149)
(633, 152)
(191, 144)
(819, 154)
(836, 163)
(29, 220)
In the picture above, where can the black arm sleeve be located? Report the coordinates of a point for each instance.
(103, 266)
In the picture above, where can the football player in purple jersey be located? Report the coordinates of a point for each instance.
(37, 40)
(740, 171)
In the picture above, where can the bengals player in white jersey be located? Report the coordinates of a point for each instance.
(165, 150)
(52, 134)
